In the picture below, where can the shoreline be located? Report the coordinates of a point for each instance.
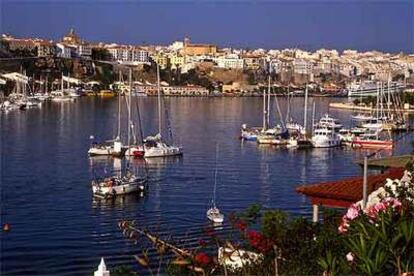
(348, 106)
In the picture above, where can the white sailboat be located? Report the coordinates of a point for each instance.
(252, 133)
(61, 95)
(116, 185)
(154, 146)
(214, 214)
(120, 184)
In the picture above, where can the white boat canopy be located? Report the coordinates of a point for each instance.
(72, 80)
(15, 76)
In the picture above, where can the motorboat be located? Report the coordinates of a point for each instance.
(372, 140)
(329, 122)
(325, 138)
(362, 117)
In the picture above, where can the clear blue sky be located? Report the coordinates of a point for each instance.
(362, 25)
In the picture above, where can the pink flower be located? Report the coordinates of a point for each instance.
(395, 203)
(343, 228)
(371, 212)
(353, 212)
(350, 257)
(381, 206)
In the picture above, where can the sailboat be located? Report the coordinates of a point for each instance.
(154, 146)
(119, 184)
(61, 95)
(213, 214)
(251, 133)
(133, 150)
(107, 148)
(301, 140)
(277, 135)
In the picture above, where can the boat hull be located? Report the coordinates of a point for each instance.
(102, 189)
(162, 152)
(372, 144)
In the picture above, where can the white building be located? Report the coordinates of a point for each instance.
(176, 46)
(139, 55)
(229, 62)
(128, 54)
(84, 50)
(302, 66)
(63, 51)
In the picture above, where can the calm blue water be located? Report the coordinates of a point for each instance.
(58, 229)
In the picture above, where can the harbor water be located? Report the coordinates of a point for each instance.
(57, 228)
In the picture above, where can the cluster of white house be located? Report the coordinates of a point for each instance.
(185, 55)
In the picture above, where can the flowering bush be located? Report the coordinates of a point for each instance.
(380, 237)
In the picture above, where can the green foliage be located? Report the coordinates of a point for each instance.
(408, 98)
(123, 271)
(100, 54)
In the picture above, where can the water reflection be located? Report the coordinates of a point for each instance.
(44, 154)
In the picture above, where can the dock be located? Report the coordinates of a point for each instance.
(351, 106)
(388, 162)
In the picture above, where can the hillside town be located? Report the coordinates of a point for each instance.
(189, 68)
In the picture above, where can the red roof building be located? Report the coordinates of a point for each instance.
(344, 192)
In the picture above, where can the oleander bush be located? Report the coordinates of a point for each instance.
(376, 240)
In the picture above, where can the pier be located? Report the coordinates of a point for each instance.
(388, 162)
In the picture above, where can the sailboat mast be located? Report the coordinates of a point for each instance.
(129, 107)
(287, 119)
(378, 95)
(313, 116)
(159, 99)
(305, 114)
(268, 101)
(215, 178)
(118, 137)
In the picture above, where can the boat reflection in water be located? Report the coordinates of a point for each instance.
(129, 200)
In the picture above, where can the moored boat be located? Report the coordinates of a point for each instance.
(372, 140)
(325, 138)
(117, 185)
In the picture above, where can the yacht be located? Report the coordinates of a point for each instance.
(325, 138)
(372, 140)
(329, 122)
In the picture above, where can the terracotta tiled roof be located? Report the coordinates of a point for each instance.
(346, 191)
